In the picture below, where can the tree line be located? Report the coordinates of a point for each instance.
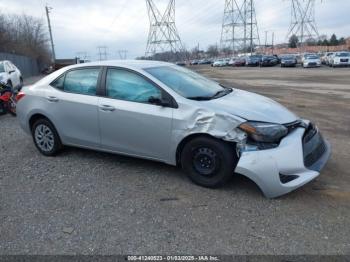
(24, 35)
(294, 41)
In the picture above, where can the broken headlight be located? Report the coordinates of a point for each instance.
(264, 132)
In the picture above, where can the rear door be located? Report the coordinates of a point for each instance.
(72, 105)
(129, 123)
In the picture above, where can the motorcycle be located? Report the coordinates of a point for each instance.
(8, 100)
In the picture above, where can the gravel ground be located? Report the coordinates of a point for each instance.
(85, 202)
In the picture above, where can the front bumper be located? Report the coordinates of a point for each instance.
(293, 159)
(340, 63)
(312, 64)
(288, 63)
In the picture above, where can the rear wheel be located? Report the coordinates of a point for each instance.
(209, 162)
(46, 138)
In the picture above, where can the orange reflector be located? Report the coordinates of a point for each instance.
(248, 128)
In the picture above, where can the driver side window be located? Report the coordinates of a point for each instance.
(129, 86)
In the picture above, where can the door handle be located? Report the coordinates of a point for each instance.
(107, 108)
(52, 99)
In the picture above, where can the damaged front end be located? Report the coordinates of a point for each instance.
(278, 167)
(279, 158)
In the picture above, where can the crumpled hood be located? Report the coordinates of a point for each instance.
(254, 107)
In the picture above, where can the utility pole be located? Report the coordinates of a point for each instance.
(163, 35)
(47, 9)
(198, 51)
(266, 42)
(273, 42)
(251, 27)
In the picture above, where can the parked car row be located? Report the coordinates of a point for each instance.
(307, 60)
(253, 60)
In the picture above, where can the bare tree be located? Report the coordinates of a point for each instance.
(24, 35)
(213, 51)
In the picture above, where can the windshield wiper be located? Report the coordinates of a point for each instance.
(218, 94)
(223, 92)
(200, 98)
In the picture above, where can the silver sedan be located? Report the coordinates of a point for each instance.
(162, 112)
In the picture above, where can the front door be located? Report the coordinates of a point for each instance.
(129, 123)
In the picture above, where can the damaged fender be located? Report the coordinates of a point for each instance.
(220, 125)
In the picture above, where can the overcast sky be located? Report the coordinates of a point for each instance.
(82, 25)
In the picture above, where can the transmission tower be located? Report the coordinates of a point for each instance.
(303, 22)
(239, 27)
(122, 54)
(102, 53)
(163, 35)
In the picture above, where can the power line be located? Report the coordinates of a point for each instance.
(163, 35)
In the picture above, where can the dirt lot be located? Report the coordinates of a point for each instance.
(85, 202)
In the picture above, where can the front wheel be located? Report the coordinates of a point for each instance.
(209, 162)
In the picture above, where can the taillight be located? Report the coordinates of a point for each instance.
(20, 95)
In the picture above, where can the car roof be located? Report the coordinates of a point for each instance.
(136, 64)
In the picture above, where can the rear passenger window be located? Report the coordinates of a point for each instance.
(58, 83)
(82, 81)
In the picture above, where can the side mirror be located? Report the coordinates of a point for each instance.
(159, 101)
(12, 71)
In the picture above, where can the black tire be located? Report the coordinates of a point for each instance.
(12, 109)
(3, 110)
(20, 84)
(12, 105)
(209, 162)
(56, 141)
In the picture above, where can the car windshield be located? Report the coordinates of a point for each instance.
(2, 68)
(288, 57)
(188, 83)
(312, 57)
(342, 55)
